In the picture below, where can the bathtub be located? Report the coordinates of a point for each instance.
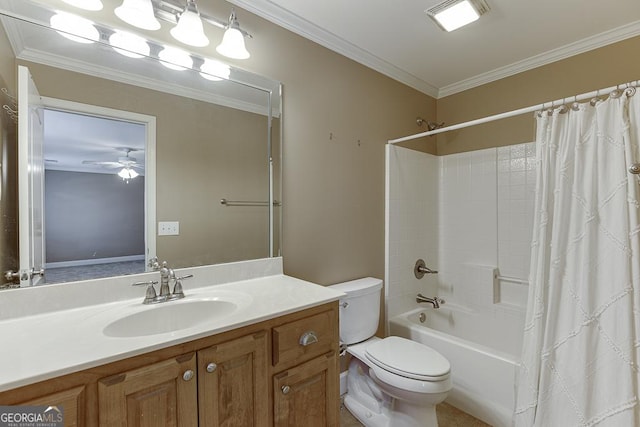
(483, 377)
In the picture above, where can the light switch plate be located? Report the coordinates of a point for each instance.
(168, 228)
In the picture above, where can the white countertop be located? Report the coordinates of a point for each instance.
(43, 346)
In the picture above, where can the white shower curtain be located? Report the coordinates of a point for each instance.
(580, 354)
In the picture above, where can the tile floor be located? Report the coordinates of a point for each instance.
(448, 416)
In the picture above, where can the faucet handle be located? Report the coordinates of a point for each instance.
(151, 291)
(177, 288)
(154, 264)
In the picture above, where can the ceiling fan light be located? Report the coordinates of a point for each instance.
(189, 29)
(232, 45)
(127, 173)
(175, 59)
(138, 13)
(130, 45)
(74, 27)
(93, 5)
(214, 70)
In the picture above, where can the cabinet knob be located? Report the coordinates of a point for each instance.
(286, 389)
(308, 338)
(188, 374)
(211, 367)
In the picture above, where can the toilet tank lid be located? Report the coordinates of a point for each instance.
(357, 287)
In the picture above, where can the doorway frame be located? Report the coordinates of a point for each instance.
(149, 122)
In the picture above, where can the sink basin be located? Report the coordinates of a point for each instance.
(169, 317)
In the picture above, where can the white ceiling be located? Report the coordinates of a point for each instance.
(398, 39)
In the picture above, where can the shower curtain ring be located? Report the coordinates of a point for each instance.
(616, 93)
(595, 99)
(576, 105)
(630, 90)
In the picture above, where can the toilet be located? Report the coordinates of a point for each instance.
(391, 382)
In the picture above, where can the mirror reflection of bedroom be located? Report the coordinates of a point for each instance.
(94, 210)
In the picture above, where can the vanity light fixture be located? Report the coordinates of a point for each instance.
(232, 45)
(138, 13)
(453, 14)
(74, 27)
(214, 70)
(128, 44)
(188, 21)
(175, 59)
(189, 29)
(93, 5)
(126, 173)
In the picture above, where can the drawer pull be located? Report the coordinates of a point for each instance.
(211, 367)
(308, 338)
(286, 389)
(188, 374)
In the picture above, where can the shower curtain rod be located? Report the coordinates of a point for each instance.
(518, 112)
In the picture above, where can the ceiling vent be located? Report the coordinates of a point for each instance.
(453, 14)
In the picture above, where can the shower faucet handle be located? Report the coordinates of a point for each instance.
(420, 269)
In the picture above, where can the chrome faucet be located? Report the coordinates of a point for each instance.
(435, 301)
(166, 275)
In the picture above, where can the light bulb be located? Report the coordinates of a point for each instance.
(127, 173)
(74, 27)
(189, 29)
(175, 59)
(138, 13)
(232, 45)
(214, 70)
(130, 45)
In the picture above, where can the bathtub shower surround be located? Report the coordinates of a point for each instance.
(469, 215)
(580, 357)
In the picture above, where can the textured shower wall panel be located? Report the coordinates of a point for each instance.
(516, 198)
(468, 226)
(412, 224)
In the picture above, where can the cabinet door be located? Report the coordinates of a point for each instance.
(308, 394)
(72, 401)
(233, 383)
(161, 394)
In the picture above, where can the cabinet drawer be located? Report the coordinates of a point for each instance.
(304, 339)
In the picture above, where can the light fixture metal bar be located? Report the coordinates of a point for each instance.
(170, 10)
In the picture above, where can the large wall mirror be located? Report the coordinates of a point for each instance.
(140, 158)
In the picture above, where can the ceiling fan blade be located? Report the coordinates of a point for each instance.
(93, 162)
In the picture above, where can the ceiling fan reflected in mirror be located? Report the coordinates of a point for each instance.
(127, 164)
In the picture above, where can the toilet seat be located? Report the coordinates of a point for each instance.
(409, 359)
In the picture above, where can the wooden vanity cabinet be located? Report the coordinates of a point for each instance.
(282, 372)
(306, 395)
(161, 394)
(233, 383)
(306, 382)
(72, 402)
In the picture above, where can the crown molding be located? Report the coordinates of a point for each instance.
(590, 43)
(279, 16)
(68, 64)
(292, 22)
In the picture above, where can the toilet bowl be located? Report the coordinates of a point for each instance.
(391, 381)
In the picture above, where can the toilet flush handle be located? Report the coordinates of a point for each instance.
(308, 338)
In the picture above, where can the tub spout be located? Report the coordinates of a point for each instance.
(435, 301)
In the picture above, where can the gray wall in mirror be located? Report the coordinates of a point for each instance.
(205, 152)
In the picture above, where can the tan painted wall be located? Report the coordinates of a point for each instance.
(338, 116)
(7, 65)
(204, 152)
(600, 68)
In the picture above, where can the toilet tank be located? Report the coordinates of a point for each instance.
(360, 309)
